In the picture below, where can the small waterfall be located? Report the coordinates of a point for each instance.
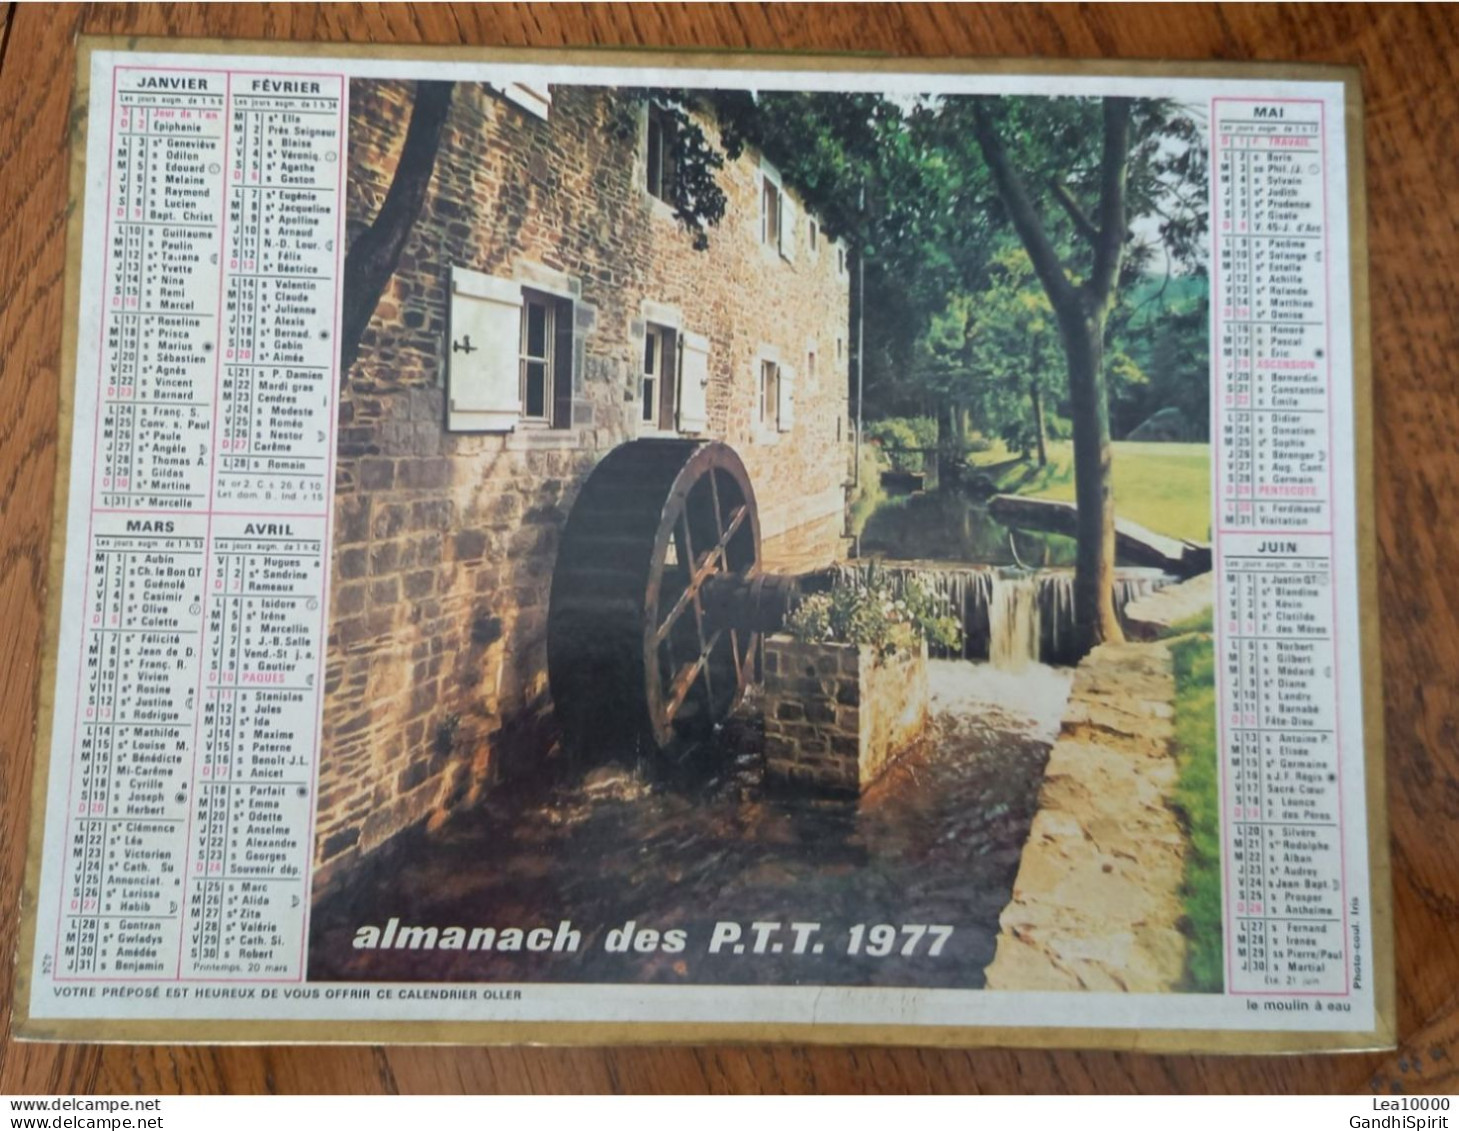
(1010, 617)
(1014, 639)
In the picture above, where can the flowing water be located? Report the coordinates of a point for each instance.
(1010, 616)
(936, 840)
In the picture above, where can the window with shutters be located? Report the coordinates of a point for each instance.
(510, 356)
(659, 389)
(693, 383)
(769, 394)
(536, 100)
(539, 318)
(544, 360)
(777, 398)
(660, 169)
(770, 209)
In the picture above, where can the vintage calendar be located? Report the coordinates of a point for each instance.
(557, 547)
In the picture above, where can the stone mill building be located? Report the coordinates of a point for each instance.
(547, 307)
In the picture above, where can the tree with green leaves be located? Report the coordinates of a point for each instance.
(997, 352)
(1073, 173)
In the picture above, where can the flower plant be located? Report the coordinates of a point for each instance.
(874, 613)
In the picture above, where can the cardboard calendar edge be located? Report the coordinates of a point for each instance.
(1375, 790)
(164, 1031)
(22, 1025)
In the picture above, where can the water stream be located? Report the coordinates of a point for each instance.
(937, 839)
(1010, 616)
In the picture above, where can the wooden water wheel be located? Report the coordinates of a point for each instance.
(657, 599)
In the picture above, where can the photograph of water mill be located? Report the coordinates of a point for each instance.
(771, 542)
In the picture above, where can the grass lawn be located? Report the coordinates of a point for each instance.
(1197, 800)
(1164, 487)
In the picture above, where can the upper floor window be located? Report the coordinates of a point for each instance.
(536, 100)
(770, 209)
(769, 393)
(660, 165)
(813, 235)
(777, 397)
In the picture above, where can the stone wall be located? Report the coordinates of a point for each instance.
(1096, 904)
(837, 714)
(445, 542)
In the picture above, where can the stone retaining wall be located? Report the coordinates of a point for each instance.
(1096, 905)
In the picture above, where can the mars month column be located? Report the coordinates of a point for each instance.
(1275, 620)
(190, 758)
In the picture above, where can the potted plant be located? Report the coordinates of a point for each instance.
(846, 681)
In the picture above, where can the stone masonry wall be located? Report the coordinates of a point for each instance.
(1096, 905)
(445, 542)
(836, 715)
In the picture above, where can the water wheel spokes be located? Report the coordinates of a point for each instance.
(705, 565)
(662, 546)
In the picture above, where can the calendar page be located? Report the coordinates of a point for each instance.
(565, 547)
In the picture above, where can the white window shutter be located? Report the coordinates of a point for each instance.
(536, 100)
(693, 382)
(787, 227)
(785, 417)
(483, 392)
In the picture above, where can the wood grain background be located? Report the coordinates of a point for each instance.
(1409, 56)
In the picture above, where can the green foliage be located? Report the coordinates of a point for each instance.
(875, 615)
(1197, 804)
(1163, 328)
(870, 495)
(896, 435)
(695, 194)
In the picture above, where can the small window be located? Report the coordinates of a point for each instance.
(661, 168)
(841, 260)
(659, 378)
(770, 213)
(840, 348)
(810, 366)
(813, 235)
(770, 393)
(536, 357)
(545, 360)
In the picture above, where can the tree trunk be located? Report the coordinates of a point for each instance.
(1081, 310)
(1038, 421)
(1095, 620)
(374, 253)
(949, 445)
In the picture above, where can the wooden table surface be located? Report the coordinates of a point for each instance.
(1408, 56)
